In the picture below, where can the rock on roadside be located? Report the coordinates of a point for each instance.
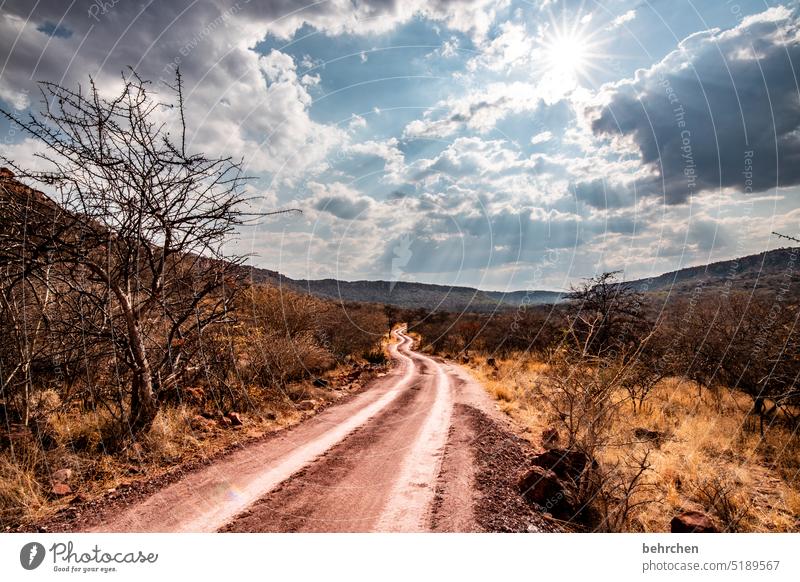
(692, 522)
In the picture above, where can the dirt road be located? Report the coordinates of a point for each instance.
(422, 449)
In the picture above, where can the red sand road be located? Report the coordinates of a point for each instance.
(373, 463)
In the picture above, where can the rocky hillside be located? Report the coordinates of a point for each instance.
(765, 272)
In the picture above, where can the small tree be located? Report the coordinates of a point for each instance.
(24, 302)
(137, 231)
(605, 315)
(583, 398)
(639, 379)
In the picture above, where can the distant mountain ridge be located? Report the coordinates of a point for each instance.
(407, 294)
(761, 272)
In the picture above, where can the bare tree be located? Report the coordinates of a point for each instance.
(639, 379)
(605, 314)
(137, 232)
(582, 397)
(24, 302)
(622, 488)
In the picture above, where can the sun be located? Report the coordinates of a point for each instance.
(568, 54)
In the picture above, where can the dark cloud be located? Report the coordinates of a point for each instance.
(343, 206)
(723, 104)
(602, 194)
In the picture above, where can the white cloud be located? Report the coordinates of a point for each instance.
(542, 137)
(622, 19)
(449, 48)
(388, 151)
(357, 122)
(694, 116)
(468, 156)
(24, 154)
(239, 103)
(479, 110)
(511, 48)
(284, 17)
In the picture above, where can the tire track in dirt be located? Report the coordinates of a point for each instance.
(347, 488)
(208, 499)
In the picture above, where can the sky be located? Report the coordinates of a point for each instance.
(499, 144)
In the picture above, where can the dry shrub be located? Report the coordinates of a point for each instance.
(287, 336)
(712, 464)
(94, 431)
(375, 356)
(171, 436)
(45, 403)
(275, 359)
(502, 392)
(706, 460)
(622, 488)
(723, 497)
(582, 394)
(20, 490)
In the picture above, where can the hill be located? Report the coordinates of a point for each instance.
(764, 272)
(406, 294)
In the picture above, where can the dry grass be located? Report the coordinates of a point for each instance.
(712, 457)
(20, 491)
(86, 443)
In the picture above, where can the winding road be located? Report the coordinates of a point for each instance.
(373, 463)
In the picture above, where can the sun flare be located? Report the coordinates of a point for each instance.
(570, 53)
(567, 54)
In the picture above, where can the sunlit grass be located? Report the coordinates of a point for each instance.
(712, 446)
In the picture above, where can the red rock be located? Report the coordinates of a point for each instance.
(692, 522)
(566, 463)
(61, 489)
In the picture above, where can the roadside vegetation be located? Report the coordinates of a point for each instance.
(648, 416)
(132, 342)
